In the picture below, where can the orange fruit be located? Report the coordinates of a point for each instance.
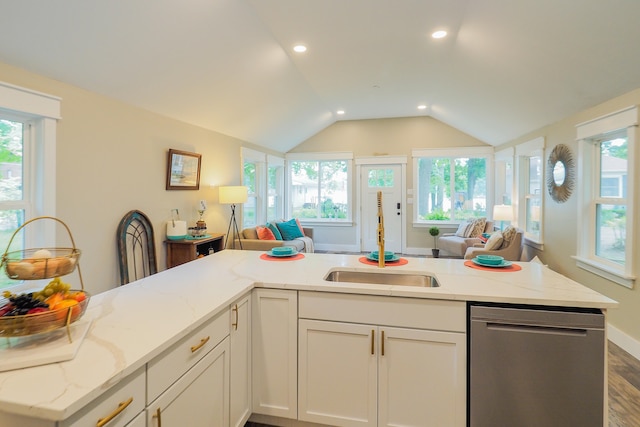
(62, 309)
(54, 299)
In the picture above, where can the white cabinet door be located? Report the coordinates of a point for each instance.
(274, 352)
(199, 398)
(240, 361)
(422, 377)
(337, 378)
(139, 421)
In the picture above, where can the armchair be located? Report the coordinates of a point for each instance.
(511, 252)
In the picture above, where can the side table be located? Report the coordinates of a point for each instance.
(185, 250)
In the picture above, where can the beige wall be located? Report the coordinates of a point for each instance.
(560, 231)
(112, 158)
(381, 137)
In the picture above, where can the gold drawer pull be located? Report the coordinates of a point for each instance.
(121, 407)
(235, 324)
(203, 341)
(382, 344)
(373, 348)
(158, 415)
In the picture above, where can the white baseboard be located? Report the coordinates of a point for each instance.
(336, 248)
(624, 341)
(417, 251)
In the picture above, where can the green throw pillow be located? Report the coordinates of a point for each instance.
(289, 229)
(274, 230)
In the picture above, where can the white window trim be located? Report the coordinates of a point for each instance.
(313, 157)
(44, 112)
(532, 148)
(486, 152)
(621, 119)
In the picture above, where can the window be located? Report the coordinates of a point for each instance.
(319, 188)
(275, 188)
(14, 206)
(249, 209)
(531, 189)
(253, 178)
(607, 148)
(27, 138)
(451, 186)
(504, 168)
(263, 175)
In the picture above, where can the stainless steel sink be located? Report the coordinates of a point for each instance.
(378, 278)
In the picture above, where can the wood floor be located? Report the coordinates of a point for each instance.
(624, 389)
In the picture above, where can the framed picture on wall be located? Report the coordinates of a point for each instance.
(183, 170)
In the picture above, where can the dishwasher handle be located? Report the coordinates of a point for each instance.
(535, 329)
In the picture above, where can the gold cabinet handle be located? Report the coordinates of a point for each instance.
(197, 347)
(121, 407)
(373, 348)
(235, 324)
(382, 343)
(158, 415)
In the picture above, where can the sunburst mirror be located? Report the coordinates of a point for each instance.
(560, 173)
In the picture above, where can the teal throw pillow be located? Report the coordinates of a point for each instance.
(289, 229)
(274, 230)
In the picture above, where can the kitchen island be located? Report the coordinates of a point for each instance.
(137, 325)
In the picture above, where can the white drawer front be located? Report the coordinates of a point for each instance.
(442, 315)
(166, 368)
(121, 403)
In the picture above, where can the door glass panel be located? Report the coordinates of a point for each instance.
(381, 178)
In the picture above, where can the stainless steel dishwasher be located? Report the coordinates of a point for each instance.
(536, 367)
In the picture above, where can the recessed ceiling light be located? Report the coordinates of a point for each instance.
(439, 34)
(422, 107)
(340, 112)
(300, 48)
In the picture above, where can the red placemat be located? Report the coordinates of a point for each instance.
(512, 267)
(284, 258)
(401, 261)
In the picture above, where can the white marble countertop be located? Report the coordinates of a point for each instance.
(134, 323)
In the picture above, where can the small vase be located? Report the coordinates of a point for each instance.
(435, 253)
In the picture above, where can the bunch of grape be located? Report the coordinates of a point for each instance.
(23, 304)
(56, 285)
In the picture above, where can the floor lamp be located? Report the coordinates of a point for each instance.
(233, 195)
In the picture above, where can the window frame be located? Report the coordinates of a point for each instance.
(534, 148)
(278, 191)
(41, 112)
(589, 134)
(453, 153)
(322, 157)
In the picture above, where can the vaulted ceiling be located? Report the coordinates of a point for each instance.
(506, 67)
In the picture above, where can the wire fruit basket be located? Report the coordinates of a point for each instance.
(67, 305)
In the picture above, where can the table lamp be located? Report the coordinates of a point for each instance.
(502, 213)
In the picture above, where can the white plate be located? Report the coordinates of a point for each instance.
(270, 253)
(504, 263)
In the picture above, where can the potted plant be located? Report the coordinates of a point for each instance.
(435, 231)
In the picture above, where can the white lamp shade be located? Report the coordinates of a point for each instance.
(232, 195)
(502, 213)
